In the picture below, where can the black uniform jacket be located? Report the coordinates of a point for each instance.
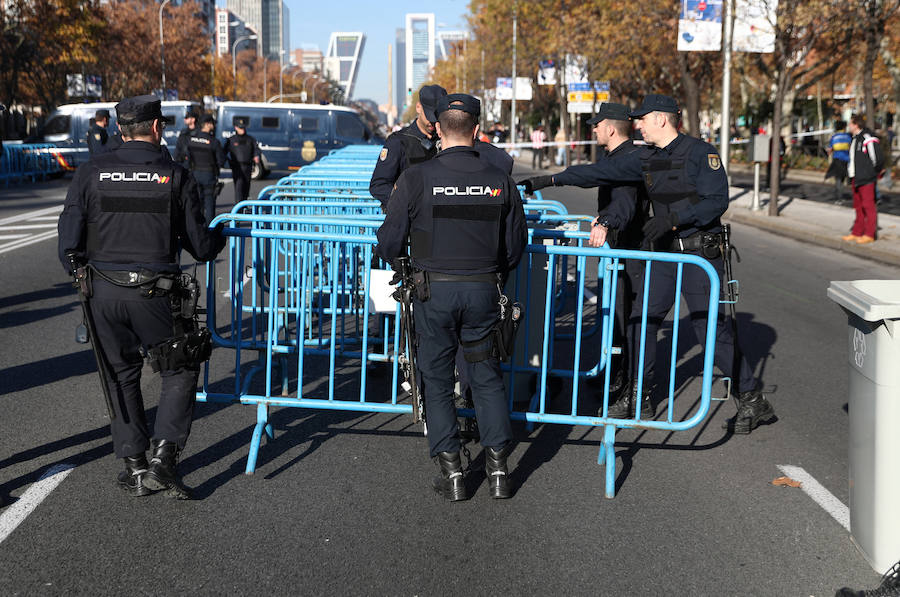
(241, 149)
(393, 159)
(623, 206)
(97, 136)
(124, 168)
(686, 177)
(206, 152)
(462, 216)
(181, 146)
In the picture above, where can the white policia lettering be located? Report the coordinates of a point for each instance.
(134, 177)
(471, 190)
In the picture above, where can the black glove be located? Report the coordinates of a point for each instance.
(535, 184)
(658, 226)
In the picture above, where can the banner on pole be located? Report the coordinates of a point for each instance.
(523, 88)
(700, 26)
(547, 72)
(754, 26)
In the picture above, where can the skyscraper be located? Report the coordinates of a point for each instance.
(400, 72)
(419, 51)
(271, 18)
(342, 58)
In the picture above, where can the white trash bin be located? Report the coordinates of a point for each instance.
(873, 314)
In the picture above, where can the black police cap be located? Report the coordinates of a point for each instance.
(459, 101)
(207, 118)
(192, 112)
(138, 109)
(656, 103)
(240, 122)
(429, 96)
(610, 111)
(101, 114)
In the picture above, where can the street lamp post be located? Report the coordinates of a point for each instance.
(234, 61)
(162, 48)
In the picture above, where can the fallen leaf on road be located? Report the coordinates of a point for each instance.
(786, 482)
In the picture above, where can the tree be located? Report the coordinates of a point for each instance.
(872, 17)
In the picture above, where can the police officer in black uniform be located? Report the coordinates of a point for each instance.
(181, 155)
(206, 158)
(688, 189)
(466, 229)
(242, 151)
(127, 214)
(97, 135)
(622, 209)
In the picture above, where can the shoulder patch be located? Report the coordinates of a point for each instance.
(97, 136)
(714, 162)
(383, 155)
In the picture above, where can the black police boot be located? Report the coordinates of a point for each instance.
(753, 409)
(450, 482)
(889, 587)
(132, 478)
(495, 469)
(624, 407)
(162, 474)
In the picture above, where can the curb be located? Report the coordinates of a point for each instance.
(824, 238)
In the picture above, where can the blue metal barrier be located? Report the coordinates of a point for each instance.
(31, 161)
(308, 316)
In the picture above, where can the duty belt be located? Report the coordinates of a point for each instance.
(439, 277)
(695, 242)
(128, 277)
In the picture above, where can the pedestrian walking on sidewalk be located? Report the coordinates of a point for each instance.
(865, 167)
(839, 148)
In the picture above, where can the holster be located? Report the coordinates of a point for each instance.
(506, 328)
(188, 351)
(420, 284)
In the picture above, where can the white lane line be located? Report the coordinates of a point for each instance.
(12, 236)
(28, 227)
(44, 218)
(31, 499)
(32, 214)
(819, 494)
(25, 242)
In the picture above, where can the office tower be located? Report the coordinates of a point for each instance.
(342, 58)
(419, 51)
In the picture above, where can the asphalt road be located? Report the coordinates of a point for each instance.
(341, 502)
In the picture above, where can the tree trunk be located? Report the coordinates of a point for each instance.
(775, 165)
(691, 96)
(868, 67)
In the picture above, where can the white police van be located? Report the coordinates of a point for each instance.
(68, 125)
(293, 135)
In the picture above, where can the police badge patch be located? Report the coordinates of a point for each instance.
(714, 162)
(383, 155)
(97, 136)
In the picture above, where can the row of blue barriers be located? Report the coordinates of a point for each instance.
(32, 161)
(307, 300)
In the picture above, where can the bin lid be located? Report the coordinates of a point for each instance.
(872, 300)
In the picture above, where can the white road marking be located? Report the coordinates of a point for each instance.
(12, 236)
(32, 214)
(31, 499)
(26, 241)
(819, 494)
(28, 226)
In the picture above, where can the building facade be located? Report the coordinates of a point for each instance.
(308, 58)
(419, 52)
(400, 95)
(229, 28)
(270, 19)
(342, 59)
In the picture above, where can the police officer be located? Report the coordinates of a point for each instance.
(242, 151)
(622, 209)
(181, 155)
(206, 158)
(126, 214)
(466, 229)
(688, 189)
(97, 135)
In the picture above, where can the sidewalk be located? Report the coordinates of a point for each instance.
(817, 223)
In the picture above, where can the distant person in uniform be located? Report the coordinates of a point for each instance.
(839, 148)
(181, 155)
(242, 152)
(465, 241)
(98, 135)
(206, 158)
(127, 215)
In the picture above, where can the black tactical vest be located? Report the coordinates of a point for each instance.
(201, 149)
(458, 226)
(416, 149)
(241, 148)
(130, 214)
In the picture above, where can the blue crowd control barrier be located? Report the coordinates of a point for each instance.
(321, 309)
(31, 161)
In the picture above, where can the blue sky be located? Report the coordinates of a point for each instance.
(313, 23)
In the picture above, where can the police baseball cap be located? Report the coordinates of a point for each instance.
(240, 123)
(101, 114)
(656, 103)
(458, 101)
(428, 97)
(610, 111)
(207, 118)
(192, 112)
(138, 109)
